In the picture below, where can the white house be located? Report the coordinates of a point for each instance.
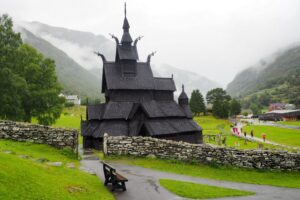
(72, 99)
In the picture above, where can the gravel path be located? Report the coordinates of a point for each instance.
(143, 184)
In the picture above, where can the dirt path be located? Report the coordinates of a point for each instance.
(143, 184)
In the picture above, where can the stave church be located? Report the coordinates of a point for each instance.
(136, 102)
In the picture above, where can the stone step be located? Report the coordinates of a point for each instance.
(90, 157)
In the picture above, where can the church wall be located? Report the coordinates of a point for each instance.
(163, 95)
(139, 95)
(130, 95)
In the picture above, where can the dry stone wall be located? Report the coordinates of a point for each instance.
(204, 153)
(56, 137)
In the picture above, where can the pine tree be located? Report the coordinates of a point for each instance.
(197, 104)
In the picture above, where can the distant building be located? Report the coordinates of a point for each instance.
(137, 103)
(281, 115)
(281, 106)
(72, 99)
(276, 106)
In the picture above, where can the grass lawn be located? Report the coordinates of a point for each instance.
(199, 191)
(292, 123)
(285, 136)
(275, 178)
(26, 178)
(212, 125)
(70, 117)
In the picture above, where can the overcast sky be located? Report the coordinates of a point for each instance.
(214, 38)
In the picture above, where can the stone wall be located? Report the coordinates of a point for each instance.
(56, 137)
(204, 153)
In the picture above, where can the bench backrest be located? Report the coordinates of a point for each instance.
(109, 172)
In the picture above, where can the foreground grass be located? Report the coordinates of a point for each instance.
(26, 178)
(285, 136)
(199, 191)
(274, 178)
(38, 151)
(292, 123)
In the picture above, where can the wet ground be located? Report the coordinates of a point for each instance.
(143, 184)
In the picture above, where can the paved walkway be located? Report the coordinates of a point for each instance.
(143, 184)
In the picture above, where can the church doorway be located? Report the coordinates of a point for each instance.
(143, 131)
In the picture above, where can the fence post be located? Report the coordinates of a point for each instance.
(105, 137)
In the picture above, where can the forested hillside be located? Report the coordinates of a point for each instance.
(274, 81)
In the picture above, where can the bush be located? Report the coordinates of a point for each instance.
(69, 104)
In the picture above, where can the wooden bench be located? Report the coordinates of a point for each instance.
(111, 176)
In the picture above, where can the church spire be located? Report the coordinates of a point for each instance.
(183, 98)
(126, 38)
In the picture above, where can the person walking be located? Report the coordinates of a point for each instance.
(264, 137)
(251, 133)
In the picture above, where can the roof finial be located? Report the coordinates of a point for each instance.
(125, 8)
(183, 87)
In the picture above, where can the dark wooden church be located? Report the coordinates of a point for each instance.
(137, 103)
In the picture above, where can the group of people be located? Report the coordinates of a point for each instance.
(238, 132)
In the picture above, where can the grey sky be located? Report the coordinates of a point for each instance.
(215, 38)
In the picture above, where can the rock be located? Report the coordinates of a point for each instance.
(7, 152)
(24, 156)
(55, 164)
(151, 156)
(71, 165)
(42, 160)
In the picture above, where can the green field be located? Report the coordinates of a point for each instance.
(70, 117)
(25, 177)
(212, 125)
(199, 191)
(284, 136)
(292, 123)
(261, 177)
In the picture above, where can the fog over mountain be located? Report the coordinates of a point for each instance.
(276, 77)
(214, 38)
(79, 46)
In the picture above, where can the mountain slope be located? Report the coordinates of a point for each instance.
(280, 78)
(78, 45)
(71, 75)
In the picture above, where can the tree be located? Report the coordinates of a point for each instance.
(197, 104)
(12, 86)
(217, 94)
(220, 109)
(30, 85)
(255, 109)
(220, 100)
(235, 107)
